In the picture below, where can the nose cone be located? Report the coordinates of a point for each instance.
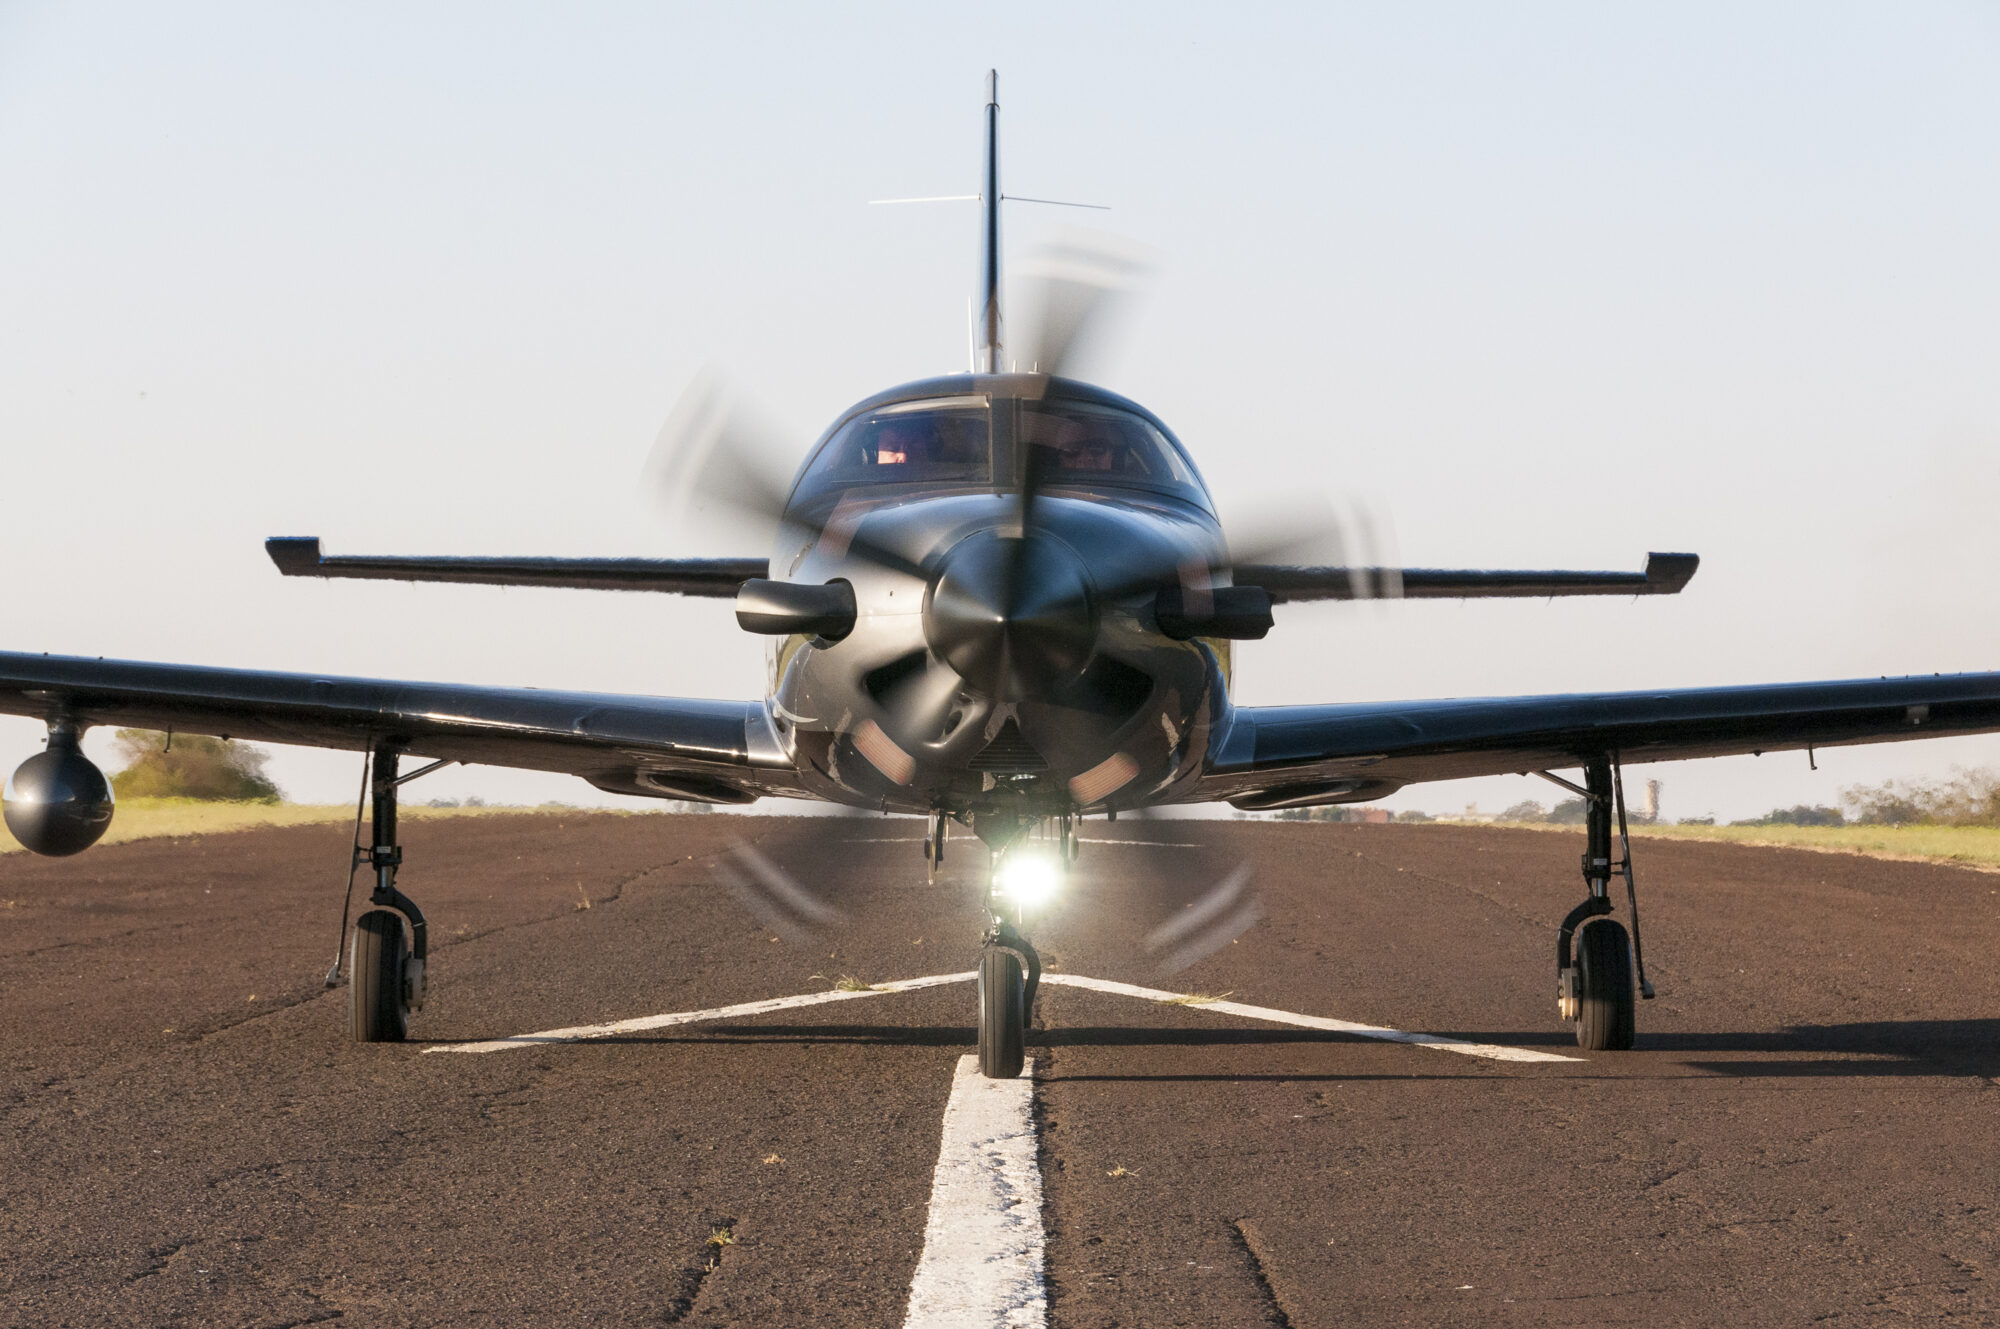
(1011, 616)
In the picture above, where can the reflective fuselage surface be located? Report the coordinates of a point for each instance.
(997, 667)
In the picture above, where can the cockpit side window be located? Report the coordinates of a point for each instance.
(910, 442)
(1084, 443)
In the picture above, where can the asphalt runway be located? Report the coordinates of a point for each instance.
(1809, 1130)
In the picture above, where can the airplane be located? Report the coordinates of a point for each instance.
(1000, 600)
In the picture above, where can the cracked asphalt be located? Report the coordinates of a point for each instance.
(1807, 1132)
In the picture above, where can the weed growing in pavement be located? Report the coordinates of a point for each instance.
(582, 900)
(848, 983)
(1122, 1171)
(1199, 998)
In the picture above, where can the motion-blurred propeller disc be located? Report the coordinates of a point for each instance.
(1073, 287)
(722, 473)
(718, 469)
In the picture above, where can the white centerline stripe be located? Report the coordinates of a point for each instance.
(579, 1033)
(983, 1245)
(1492, 1051)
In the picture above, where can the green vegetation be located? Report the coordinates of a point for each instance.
(1802, 815)
(1971, 846)
(191, 766)
(1964, 798)
(157, 818)
(1976, 846)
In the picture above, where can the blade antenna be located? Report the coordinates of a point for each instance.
(990, 254)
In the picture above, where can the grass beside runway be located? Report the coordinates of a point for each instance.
(158, 818)
(1968, 846)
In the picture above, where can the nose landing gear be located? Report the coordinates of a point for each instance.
(1010, 975)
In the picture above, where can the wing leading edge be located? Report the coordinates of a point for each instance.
(1665, 574)
(300, 556)
(660, 747)
(1298, 756)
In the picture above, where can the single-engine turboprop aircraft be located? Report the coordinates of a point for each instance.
(1000, 599)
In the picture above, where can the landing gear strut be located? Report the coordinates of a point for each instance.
(1010, 974)
(1594, 983)
(387, 974)
(934, 844)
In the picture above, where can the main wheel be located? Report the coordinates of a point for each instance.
(1001, 1016)
(375, 995)
(1606, 1004)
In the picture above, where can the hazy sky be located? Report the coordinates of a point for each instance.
(1553, 284)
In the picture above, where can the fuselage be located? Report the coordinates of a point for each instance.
(1006, 656)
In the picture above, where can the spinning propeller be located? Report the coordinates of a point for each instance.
(1011, 613)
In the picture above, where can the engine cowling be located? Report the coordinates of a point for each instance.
(57, 802)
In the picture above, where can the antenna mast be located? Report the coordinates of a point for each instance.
(990, 256)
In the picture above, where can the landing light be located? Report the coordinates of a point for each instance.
(1030, 875)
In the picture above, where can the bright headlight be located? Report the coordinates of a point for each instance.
(1030, 875)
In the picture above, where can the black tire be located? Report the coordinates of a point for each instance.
(375, 988)
(1000, 1014)
(1606, 1003)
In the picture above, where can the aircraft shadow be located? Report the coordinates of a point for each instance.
(1889, 1047)
(1861, 1051)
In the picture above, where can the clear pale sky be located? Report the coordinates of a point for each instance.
(1554, 284)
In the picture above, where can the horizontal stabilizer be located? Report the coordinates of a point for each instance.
(1665, 574)
(301, 557)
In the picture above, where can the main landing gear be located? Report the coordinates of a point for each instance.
(386, 973)
(1594, 984)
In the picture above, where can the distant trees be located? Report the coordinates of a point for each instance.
(193, 766)
(1802, 815)
(1526, 810)
(1964, 798)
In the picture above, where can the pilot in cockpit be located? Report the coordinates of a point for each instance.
(1085, 445)
(899, 442)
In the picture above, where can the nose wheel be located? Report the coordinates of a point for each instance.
(1010, 972)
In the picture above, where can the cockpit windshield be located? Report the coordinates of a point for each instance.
(982, 442)
(1085, 443)
(943, 442)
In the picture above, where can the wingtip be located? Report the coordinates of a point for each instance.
(1670, 572)
(295, 555)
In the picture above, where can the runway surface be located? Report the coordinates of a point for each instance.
(1808, 1132)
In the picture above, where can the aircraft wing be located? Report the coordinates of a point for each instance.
(1299, 756)
(661, 747)
(1665, 574)
(300, 556)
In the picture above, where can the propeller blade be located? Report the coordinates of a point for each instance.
(722, 471)
(1202, 894)
(1074, 287)
(719, 468)
(924, 698)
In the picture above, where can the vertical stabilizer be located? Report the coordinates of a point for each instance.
(989, 196)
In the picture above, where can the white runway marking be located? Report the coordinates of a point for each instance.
(982, 1260)
(1492, 1051)
(583, 1032)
